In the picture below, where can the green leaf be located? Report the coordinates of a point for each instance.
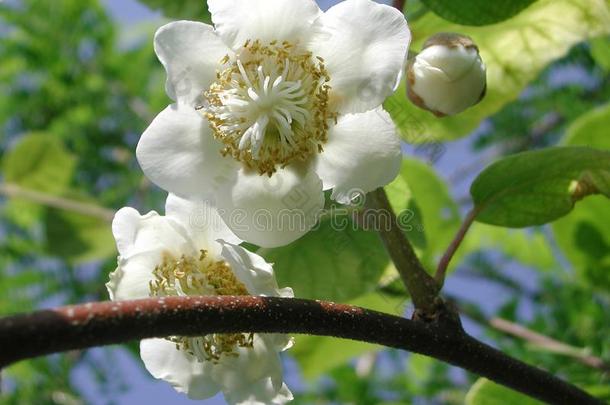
(181, 9)
(319, 354)
(336, 261)
(38, 162)
(534, 188)
(485, 392)
(583, 236)
(477, 12)
(422, 201)
(76, 237)
(515, 52)
(528, 248)
(590, 129)
(600, 51)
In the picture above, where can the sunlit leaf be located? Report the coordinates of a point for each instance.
(515, 51)
(485, 392)
(591, 129)
(477, 12)
(600, 50)
(38, 162)
(528, 248)
(76, 237)
(338, 261)
(318, 354)
(534, 188)
(584, 236)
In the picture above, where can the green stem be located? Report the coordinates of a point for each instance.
(421, 286)
(441, 270)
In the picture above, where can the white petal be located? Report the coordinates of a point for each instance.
(243, 372)
(271, 211)
(182, 371)
(131, 279)
(137, 233)
(201, 220)
(364, 45)
(362, 154)
(284, 20)
(178, 153)
(260, 393)
(125, 227)
(252, 270)
(191, 53)
(142, 240)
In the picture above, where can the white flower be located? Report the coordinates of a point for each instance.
(447, 76)
(274, 105)
(179, 254)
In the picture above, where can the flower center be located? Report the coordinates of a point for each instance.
(269, 106)
(200, 276)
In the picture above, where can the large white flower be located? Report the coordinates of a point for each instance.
(274, 105)
(182, 254)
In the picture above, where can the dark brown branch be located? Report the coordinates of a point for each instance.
(96, 324)
(420, 285)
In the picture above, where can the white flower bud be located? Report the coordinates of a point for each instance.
(447, 76)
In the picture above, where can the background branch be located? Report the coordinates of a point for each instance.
(543, 342)
(95, 324)
(549, 344)
(92, 210)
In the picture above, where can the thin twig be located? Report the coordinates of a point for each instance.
(549, 344)
(443, 264)
(542, 341)
(92, 210)
(420, 285)
(94, 324)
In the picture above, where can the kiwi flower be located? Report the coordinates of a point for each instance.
(191, 252)
(275, 104)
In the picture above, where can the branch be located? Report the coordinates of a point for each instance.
(399, 4)
(420, 285)
(15, 191)
(441, 270)
(95, 324)
(549, 344)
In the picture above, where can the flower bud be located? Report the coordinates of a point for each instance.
(447, 76)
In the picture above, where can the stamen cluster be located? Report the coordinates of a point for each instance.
(201, 276)
(270, 106)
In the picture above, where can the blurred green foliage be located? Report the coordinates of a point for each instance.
(77, 92)
(74, 101)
